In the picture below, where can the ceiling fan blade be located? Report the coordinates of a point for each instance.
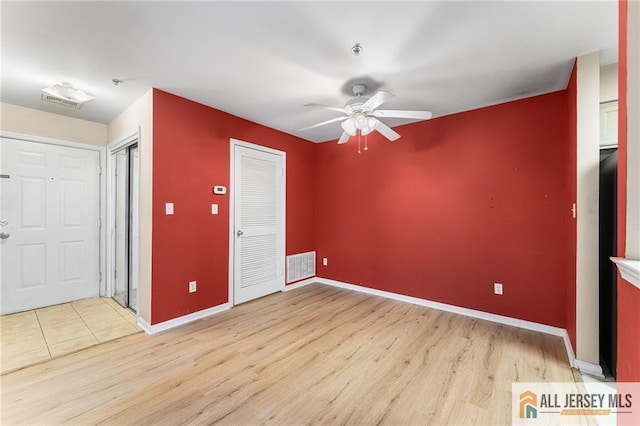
(331, 108)
(397, 113)
(378, 99)
(313, 126)
(386, 131)
(344, 138)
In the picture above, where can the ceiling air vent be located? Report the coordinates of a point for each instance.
(61, 101)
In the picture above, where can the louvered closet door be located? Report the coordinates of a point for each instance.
(258, 222)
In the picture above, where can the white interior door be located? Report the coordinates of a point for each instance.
(258, 205)
(120, 164)
(50, 208)
(124, 225)
(134, 228)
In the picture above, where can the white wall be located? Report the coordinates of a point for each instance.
(27, 121)
(609, 83)
(587, 203)
(140, 116)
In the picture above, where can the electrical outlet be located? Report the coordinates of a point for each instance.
(497, 288)
(193, 286)
(325, 261)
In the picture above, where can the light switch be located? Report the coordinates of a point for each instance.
(214, 209)
(168, 208)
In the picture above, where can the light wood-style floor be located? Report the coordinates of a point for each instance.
(317, 354)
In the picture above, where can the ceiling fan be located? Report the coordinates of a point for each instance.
(362, 115)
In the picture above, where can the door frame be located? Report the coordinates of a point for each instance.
(102, 247)
(113, 147)
(283, 228)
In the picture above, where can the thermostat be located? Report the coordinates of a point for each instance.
(220, 190)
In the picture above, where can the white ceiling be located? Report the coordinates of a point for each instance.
(264, 60)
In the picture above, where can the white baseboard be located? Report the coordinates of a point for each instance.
(501, 319)
(143, 325)
(569, 349)
(299, 284)
(166, 325)
(585, 367)
(591, 369)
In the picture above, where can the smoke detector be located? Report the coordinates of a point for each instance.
(65, 94)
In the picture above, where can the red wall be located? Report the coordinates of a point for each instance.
(456, 204)
(190, 155)
(628, 362)
(572, 185)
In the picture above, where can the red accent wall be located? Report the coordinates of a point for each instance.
(628, 362)
(572, 186)
(191, 155)
(456, 204)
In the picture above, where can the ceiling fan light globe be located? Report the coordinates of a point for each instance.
(366, 130)
(372, 123)
(349, 127)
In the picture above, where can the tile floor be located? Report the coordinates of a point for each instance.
(33, 336)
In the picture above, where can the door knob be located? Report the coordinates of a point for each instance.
(4, 235)
(239, 233)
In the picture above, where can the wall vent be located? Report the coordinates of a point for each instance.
(61, 101)
(300, 266)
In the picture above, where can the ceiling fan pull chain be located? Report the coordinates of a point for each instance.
(366, 142)
(359, 133)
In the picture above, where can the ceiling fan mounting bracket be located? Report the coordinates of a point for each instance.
(354, 105)
(359, 89)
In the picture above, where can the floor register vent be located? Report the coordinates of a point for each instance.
(300, 266)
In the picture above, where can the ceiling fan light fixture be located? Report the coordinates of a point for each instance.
(349, 126)
(372, 123)
(369, 127)
(66, 91)
(365, 131)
